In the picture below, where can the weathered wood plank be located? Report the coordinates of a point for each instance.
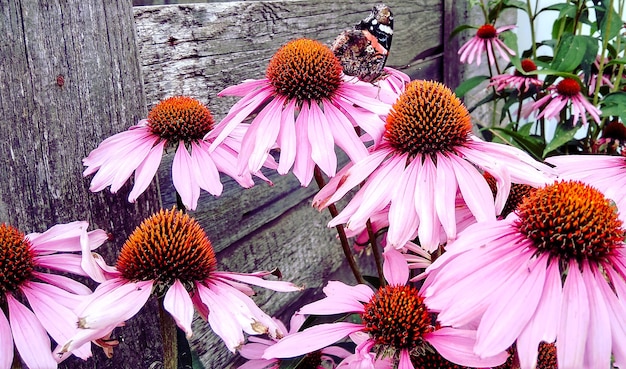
(200, 49)
(69, 78)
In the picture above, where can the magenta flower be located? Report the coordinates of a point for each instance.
(553, 271)
(25, 266)
(303, 107)
(395, 318)
(428, 154)
(253, 350)
(180, 123)
(486, 40)
(606, 173)
(565, 93)
(170, 255)
(517, 80)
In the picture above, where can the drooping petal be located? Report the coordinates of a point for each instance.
(178, 303)
(257, 280)
(457, 346)
(30, 337)
(598, 348)
(6, 343)
(146, 171)
(184, 179)
(310, 339)
(287, 138)
(574, 325)
(203, 166)
(322, 141)
(395, 267)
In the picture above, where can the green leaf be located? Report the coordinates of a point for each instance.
(514, 4)
(510, 39)
(562, 135)
(469, 84)
(609, 29)
(572, 51)
(530, 144)
(614, 104)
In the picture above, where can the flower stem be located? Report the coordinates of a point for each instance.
(319, 179)
(377, 255)
(169, 338)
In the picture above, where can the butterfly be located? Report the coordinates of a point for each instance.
(363, 50)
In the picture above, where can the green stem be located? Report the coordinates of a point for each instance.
(531, 19)
(345, 246)
(376, 251)
(169, 338)
(596, 92)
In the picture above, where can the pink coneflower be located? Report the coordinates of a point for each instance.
(566, 92)
(395, 318)
(170, 256)
(178, 122)
(428, 154)
(552, 271)
(304, 107)
(518, 81)
(321, 359)
(486, 39)
(25, 265)
(604, 172)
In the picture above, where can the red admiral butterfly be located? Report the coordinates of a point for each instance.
(363, 50)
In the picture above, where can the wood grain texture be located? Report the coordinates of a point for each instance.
(200, 49)
(69, 78)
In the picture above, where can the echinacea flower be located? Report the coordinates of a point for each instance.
(25, 265)
(303, 107)
(170, 256)
(321, 359)
(563, 94)
(428, 154)
(518, 81)
(604, 172)
(181, 123)
(395, 318)
(486, 40)
(553, 271)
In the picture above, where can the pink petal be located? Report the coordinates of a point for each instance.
(445, 196)
(311, 339)
(543, 325)
(360, 292)
(456, 345)
(58, 320)
(322, 141)
(503, 321)
(395, 267)
(70, 263)
(63, 282)
(423, 202)
(6, 342)
(178, 303)
(146, 171)
(405, 360)
(287, 138)
(184, 179)
(30, 337)
(343, 132)
(114, 306)
(223, 319)
(475, 190)
(616, 311)
(204, 168)
(261, 136)
(60, 237)
(370, 123)
(403, 219)
(238, 112)
(598, 350)
(574, 325)
(243, 88)
(280, 286)
(303, 165)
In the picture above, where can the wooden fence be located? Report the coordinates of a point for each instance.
(195, 50)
